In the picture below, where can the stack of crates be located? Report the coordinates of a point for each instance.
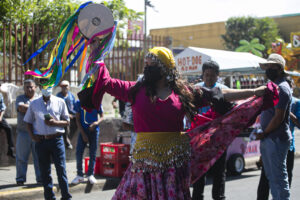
(114, 159)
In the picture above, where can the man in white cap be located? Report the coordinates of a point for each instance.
(70, 101)
(276, 136)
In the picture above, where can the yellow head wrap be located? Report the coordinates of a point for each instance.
(165, 55)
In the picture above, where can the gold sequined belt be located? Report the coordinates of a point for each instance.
(158, 151)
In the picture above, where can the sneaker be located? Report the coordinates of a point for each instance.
(77, 180)
(92, 179)
(20, 183)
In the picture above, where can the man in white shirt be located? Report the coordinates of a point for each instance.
(46, 118)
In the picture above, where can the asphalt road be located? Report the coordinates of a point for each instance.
(237, 188)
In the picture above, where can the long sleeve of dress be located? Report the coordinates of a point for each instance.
(92, 97)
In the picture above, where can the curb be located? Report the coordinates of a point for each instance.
(38, 192)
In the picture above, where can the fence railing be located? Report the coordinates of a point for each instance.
(19, 41)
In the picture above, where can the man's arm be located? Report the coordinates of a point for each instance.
(22, 108)
(274, 123)
(29, 128)
(1, 115)
(295, 120)
(238, 94)
(81, 129)
(96, 123)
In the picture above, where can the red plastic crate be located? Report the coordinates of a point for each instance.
(113, 169)
(98, 165)
(114, 152)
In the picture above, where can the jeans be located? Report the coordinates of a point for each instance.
(93, 142)
(53, 149)
(25, 145)
(219, 178)
(274, 153)
(263, 186)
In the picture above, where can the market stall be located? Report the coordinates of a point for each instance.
(240, 67)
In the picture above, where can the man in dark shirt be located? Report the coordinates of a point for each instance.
(276, 136)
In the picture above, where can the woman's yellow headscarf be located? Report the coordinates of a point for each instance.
(165, 55)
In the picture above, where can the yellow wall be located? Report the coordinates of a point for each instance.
(209, 35)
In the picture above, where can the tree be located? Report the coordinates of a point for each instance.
(248, 28)
(253, 47)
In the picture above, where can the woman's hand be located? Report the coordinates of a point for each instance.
(260, 91)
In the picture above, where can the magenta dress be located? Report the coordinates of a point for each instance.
(188, 157)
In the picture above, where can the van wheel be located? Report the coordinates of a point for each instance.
(236, 164)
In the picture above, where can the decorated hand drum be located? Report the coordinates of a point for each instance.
(93, 19)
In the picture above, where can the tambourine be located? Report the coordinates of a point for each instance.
(93, 19)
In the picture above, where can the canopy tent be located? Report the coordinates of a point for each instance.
(190, 61)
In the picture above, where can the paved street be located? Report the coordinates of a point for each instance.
(237, 188)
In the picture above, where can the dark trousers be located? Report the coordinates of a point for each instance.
(53, 149)
(263, 186)
(7, 128)
(218, 172)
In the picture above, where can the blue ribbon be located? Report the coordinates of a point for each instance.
(38, 51)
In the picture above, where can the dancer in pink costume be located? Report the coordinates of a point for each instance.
(164, 157)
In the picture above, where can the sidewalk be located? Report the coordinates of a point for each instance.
(9, 190)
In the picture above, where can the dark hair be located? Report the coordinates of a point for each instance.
(211, 65)
(29, 81)
(188, 96)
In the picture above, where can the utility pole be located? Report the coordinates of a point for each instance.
(145, 26)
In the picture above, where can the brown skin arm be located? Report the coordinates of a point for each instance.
(294, 120)
(22, 108)
(29, 128)
(1, 115)
(54, 122)
(96, 123)
(82, 132)
(238, 94)
(274, 123)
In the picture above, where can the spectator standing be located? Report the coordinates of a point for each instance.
(276, 136)
(46, 118)
(210, 72)
(7, 128)
(70, 100)
(24, 143)
(88, 124)
(263, 186)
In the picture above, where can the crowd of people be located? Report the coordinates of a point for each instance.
(158, 108)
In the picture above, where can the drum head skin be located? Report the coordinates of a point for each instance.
(93, 19)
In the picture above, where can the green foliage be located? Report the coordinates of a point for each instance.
(248, 28)
(122, 13)
(253, 47)
(43, 12)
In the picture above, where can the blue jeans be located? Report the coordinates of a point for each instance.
(274, 153)
(24, 146)
(93, 142)
(53, 149)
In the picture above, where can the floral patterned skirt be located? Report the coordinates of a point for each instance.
(207, 143)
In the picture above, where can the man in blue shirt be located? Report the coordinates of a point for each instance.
(88, 124)
(70, 100)
(276, 136)
(24, 143)
(210, 72)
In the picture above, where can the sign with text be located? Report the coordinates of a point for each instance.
(189, 62)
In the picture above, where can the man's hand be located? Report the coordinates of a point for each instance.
(71, 116)
(260, 136)
(260, 91)
(35, 138)
(84, 137)
(51, 122)
(93, 126)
